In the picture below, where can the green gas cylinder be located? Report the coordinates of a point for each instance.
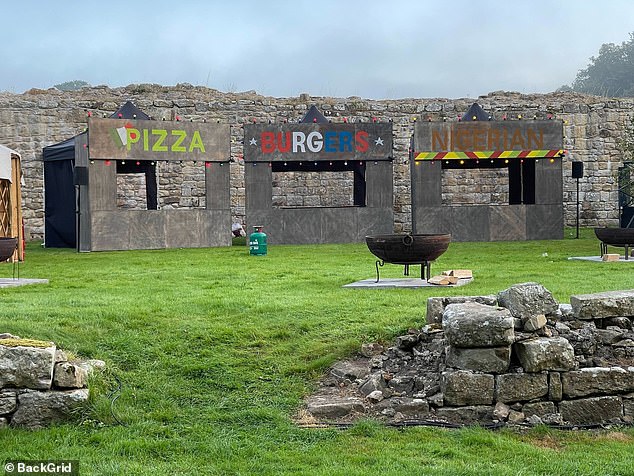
(257, 242)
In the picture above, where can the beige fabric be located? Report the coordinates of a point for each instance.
(5, 162)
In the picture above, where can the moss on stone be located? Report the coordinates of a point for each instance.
(26, 343)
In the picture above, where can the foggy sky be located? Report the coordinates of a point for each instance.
(368, 48)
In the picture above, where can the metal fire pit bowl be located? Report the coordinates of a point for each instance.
(408, 250)
(623, 237)
(7, 247)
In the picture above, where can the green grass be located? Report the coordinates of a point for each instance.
(216, 350)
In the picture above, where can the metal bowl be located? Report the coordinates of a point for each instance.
(408, 249)
(8, 246)
(615, 236)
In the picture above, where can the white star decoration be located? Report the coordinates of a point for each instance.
(378, 141)
(253, 141)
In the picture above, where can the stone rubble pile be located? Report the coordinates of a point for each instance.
(515, 358)
(38, 383)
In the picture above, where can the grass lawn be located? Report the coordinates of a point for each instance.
(216, 349)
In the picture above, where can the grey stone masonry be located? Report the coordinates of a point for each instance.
(463, 387)
(603, 305)
(26, 367)
(38, 385)
(526, 300)
(472, 324)
(520, 387)
(592, 410)
(545, 353)
(592, 129)
(39, 409)
(484, 359)
(597, 381)
(436, 305)
(483, 365)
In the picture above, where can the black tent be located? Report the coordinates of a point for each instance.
(475, 113)
(313, 115)
(60, 202)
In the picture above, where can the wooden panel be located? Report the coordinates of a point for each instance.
(470, 223)
(379, 185)
(548, 182)
(508, 222)
(217, 186)
(152, 140)
(317, 142)
(102, 180)
(426, 184)
(489, 135)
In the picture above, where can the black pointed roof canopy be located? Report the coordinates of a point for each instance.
(129, 111)
(313, 115)
(476, 111)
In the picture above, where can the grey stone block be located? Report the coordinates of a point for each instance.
(476, 325)
(603, 305)
(335, 407)
(597, 381)
(545, 353)
(520, 387)
(539, 408)
(27, 367)
(466, 415)
(591, 410)
(527, 300)
(484, 359)
(462, 387)
(40, 409)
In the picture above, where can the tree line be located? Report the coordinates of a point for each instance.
(609, 74)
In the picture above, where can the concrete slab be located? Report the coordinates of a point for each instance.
(402, 283)
(14, 282)
(598, 259)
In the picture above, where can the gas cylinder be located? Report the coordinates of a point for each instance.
(257, 241)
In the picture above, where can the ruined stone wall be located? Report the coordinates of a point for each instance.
(38, 383)
(38, 118)
(516, 358)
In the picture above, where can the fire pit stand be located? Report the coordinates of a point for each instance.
(425, 269)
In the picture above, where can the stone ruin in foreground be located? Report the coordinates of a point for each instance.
(39, 384)
(516, 358)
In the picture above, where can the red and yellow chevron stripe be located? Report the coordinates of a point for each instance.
(491, 154)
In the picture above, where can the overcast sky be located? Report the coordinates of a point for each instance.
(369, 48)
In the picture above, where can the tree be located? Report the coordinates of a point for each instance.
(611, 73)
(71, 85)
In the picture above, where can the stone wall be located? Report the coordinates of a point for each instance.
(517, 357)
(38, 118)
(38, 383)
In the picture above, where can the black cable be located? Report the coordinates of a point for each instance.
(116, 391)
(456, 426)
